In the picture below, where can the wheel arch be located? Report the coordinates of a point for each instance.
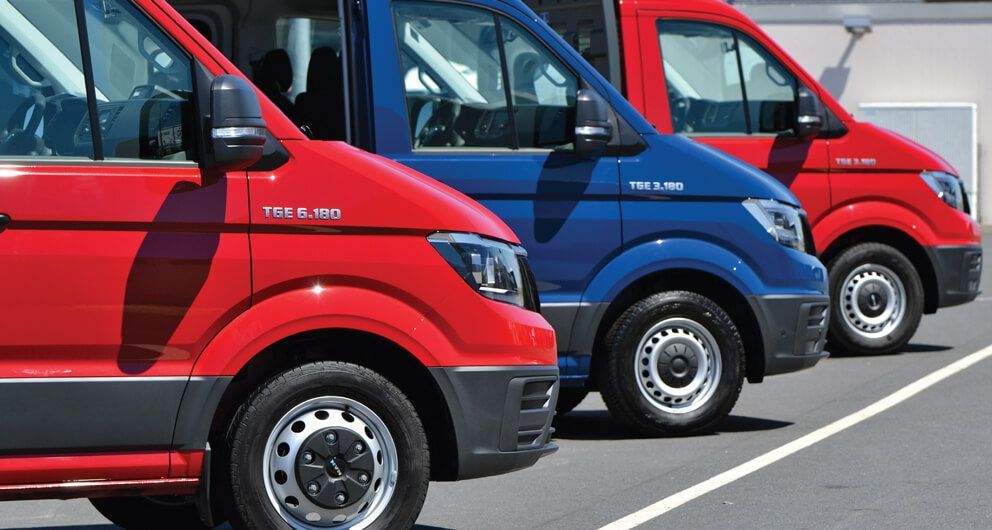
(706, 283)
(902, 242)
(399, 366)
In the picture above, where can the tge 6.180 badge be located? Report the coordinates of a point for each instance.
(288, 212)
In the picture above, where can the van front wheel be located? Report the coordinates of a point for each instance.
(673, 364)
(876, 297)
(328, 444)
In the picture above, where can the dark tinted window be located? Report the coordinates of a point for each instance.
(582, 23)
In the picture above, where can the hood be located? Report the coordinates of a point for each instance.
(374, 192)
(709, 172)
(891, 151)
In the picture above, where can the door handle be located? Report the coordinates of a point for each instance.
(4, 221)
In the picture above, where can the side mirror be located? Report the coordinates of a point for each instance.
(809, 118)
(237, 130)
(593, 130)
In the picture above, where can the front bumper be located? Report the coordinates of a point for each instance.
(959, 272)
(501, 415)
(793, 330)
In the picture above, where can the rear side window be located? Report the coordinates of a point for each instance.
(474, 79)
(139, 85)
(719, 81)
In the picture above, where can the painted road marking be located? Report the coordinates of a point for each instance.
(674, 501)
(985, 299)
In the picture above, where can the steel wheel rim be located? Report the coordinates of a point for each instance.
(873, 299)
(284, 454)
(677, 365)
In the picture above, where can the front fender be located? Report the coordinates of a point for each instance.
(306, 309)
(669, 254)
(872, 213)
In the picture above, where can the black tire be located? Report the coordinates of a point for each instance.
(150, 513)
(569, 398)
(262, 410)
(619, 382)
(843, 321)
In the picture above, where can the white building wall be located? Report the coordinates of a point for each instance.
(914, 53)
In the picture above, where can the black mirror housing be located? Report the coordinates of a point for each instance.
(593, 130)
(237, 129)
(809, 115)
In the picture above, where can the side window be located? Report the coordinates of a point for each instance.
(307, 80)
(42, 88)
(143, 82)
(770, 89)
(142, 85)
(453, 75)
(543, 90)
(703, 79)
(473, 79)
(720, 81)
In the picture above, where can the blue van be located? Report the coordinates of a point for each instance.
(671, 271)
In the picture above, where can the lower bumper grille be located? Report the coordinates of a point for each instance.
(813, 327)
(530, 407)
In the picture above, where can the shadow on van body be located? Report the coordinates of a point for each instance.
(561, 185)
(169, 271)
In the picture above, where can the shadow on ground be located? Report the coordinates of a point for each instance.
(600, 425)
(839, 353)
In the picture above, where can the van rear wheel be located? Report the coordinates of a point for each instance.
(328, 444)
(876, 297)
(673, 364)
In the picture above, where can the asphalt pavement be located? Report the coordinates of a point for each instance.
(925, 462)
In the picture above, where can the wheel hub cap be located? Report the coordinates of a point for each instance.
(678, 365)
(330, 462)
(874, 300)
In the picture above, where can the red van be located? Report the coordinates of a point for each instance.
(205, 316)
(890, 218)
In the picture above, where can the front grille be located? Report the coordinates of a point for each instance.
(813, 327)
(529, 410)
(532, 300)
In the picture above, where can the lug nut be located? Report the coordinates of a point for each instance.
(307, 457)
(359, 447)
(331, 437)
(313, 488)
(363, 478)
(341, 498)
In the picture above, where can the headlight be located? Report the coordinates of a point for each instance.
(781, 221)
(946, 186)
(490, 267)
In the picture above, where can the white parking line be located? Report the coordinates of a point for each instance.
(674, 501)
(985, 299)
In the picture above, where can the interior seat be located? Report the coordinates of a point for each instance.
(321, 107)
(274, 77)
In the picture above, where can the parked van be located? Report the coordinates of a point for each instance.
(890, 217)
(205, 316)
(669, 270)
